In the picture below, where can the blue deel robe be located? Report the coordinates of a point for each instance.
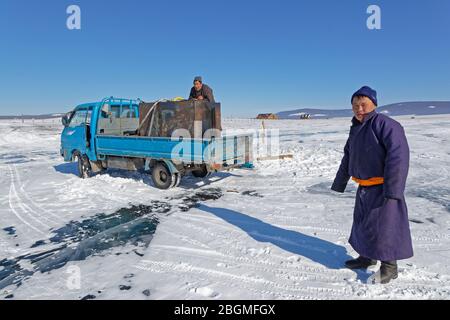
(377, 147)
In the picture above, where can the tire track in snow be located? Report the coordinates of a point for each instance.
(428, 283)
(33, 203)
(185, 239)
(22, 204)
(16, 205)
(287, 271)
(300, 292)
(231, 253)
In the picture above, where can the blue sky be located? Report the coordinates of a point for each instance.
(259, 56)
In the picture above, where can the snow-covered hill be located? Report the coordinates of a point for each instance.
(395, 109)
(275, 232)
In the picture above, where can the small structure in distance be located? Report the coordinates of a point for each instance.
(305, 116)
(267, 116)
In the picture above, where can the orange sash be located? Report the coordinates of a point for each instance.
(369, 182)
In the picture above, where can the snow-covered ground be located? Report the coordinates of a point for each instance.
(274, 232)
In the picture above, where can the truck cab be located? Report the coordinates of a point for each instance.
(109, 117)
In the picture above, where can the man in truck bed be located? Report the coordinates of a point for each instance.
(201, 91)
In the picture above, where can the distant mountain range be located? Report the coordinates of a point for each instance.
(396, 109)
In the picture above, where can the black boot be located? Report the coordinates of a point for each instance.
(360, 263)
(388, 271)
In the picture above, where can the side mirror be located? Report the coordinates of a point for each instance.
(65, 120)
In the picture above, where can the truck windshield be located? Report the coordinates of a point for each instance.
(78, 119)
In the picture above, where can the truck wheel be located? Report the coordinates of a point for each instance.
(84, 167)
(161, 176)
(201, 173)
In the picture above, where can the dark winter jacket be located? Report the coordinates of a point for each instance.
(205, 91)
(377, 147)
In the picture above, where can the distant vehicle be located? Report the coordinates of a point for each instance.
(133, 135)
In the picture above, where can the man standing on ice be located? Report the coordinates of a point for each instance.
(376, 156)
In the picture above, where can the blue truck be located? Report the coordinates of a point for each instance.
(108, 134)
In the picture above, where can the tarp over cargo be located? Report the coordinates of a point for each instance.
(169, 116)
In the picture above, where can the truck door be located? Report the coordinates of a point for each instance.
(88, 136)
(74, 137)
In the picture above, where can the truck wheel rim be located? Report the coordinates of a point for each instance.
(162, 176)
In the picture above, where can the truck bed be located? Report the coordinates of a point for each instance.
(236, 149)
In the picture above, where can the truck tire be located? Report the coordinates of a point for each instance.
(201, 173)
(161, 176)
(84, 166)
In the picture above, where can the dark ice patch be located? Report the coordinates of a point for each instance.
(192, 201)
(78, 240)
(12, 273)
(38, 243)
(124, 287)
(10, 230)
(431, 220)
(76, 231)
(146, 292)
(252, 193)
